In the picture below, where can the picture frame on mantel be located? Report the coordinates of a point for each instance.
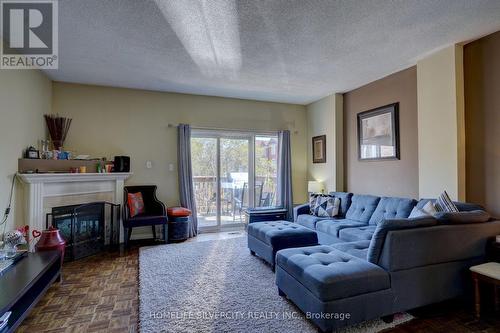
(378, 133)
(319, 149)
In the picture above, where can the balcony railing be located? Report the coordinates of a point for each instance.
(234, 194)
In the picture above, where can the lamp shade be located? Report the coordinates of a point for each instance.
(315, 186)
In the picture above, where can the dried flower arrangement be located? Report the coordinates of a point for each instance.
(58, 129)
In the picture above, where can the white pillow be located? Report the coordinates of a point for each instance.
(427, 210)
(417, 212)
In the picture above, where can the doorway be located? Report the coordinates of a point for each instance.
(232, 171)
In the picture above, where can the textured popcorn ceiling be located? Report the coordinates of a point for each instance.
(276, 50)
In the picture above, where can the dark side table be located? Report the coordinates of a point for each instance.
(493, 251)
(262, 214)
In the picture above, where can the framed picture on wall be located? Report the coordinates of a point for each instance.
(319, 149)
(378, 133)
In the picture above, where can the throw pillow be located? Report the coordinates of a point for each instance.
(313, 199)
(327, 206)
(417, 212)
(135, 203)
(444, 204)
(429, 208)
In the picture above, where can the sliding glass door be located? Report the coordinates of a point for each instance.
(231, 172)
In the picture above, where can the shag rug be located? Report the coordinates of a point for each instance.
(217, 286)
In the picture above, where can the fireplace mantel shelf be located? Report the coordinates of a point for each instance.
(31, 178)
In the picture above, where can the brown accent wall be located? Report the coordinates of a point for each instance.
(482, 119)
(385, 178)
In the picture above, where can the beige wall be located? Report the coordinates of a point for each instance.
(482, 111)
(440, 124)
(325, 117)
(113, 121)
(388, 178)
(25, 97)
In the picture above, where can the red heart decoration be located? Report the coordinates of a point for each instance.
(36, 233)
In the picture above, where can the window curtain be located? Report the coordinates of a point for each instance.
(186, 191)
(285, 198)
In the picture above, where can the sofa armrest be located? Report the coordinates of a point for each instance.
(406, 249)
(299, 210)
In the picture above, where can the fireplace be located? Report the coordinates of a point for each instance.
(88, 229)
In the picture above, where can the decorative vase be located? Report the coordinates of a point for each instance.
(57, 144)
(50, 240)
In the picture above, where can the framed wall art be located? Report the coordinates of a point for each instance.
(378, 133)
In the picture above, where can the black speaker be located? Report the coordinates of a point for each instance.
(122, 164)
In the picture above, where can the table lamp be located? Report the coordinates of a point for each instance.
(314, 186)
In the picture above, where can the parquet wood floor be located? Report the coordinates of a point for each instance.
(100, 294)
(97, 294)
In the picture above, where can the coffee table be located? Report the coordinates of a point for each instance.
(489, 273)
(25, 283)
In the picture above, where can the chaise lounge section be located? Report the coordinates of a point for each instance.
(375, 261)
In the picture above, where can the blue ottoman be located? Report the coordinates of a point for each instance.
(267, 238)
(334, 288)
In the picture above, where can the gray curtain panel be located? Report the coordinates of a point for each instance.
(285, 198)
(186, 190)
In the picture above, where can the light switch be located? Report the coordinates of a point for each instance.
(170, 167)
(149, 164)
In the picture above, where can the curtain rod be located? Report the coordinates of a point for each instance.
(230, 129)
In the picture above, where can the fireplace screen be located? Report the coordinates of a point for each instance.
(87, 229)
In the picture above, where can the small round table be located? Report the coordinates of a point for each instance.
(489, 273)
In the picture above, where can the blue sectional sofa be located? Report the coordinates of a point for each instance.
(374, 261)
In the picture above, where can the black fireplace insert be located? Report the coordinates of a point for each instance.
(87, 229)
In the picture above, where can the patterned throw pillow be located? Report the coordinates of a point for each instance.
(444, 204)
(135, 203)
(326, 206)
(313, 199)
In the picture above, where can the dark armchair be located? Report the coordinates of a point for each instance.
(154, 212)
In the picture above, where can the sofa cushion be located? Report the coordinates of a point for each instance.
(330, 274)
(357, 234)
(378, 238)
(391, 208)
(332, 227)
(362, 208)
(345, 202)
(358, 249)
(309, 221)
(473, 216)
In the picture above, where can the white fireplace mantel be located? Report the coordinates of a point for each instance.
(31, 178)
(40, 188)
